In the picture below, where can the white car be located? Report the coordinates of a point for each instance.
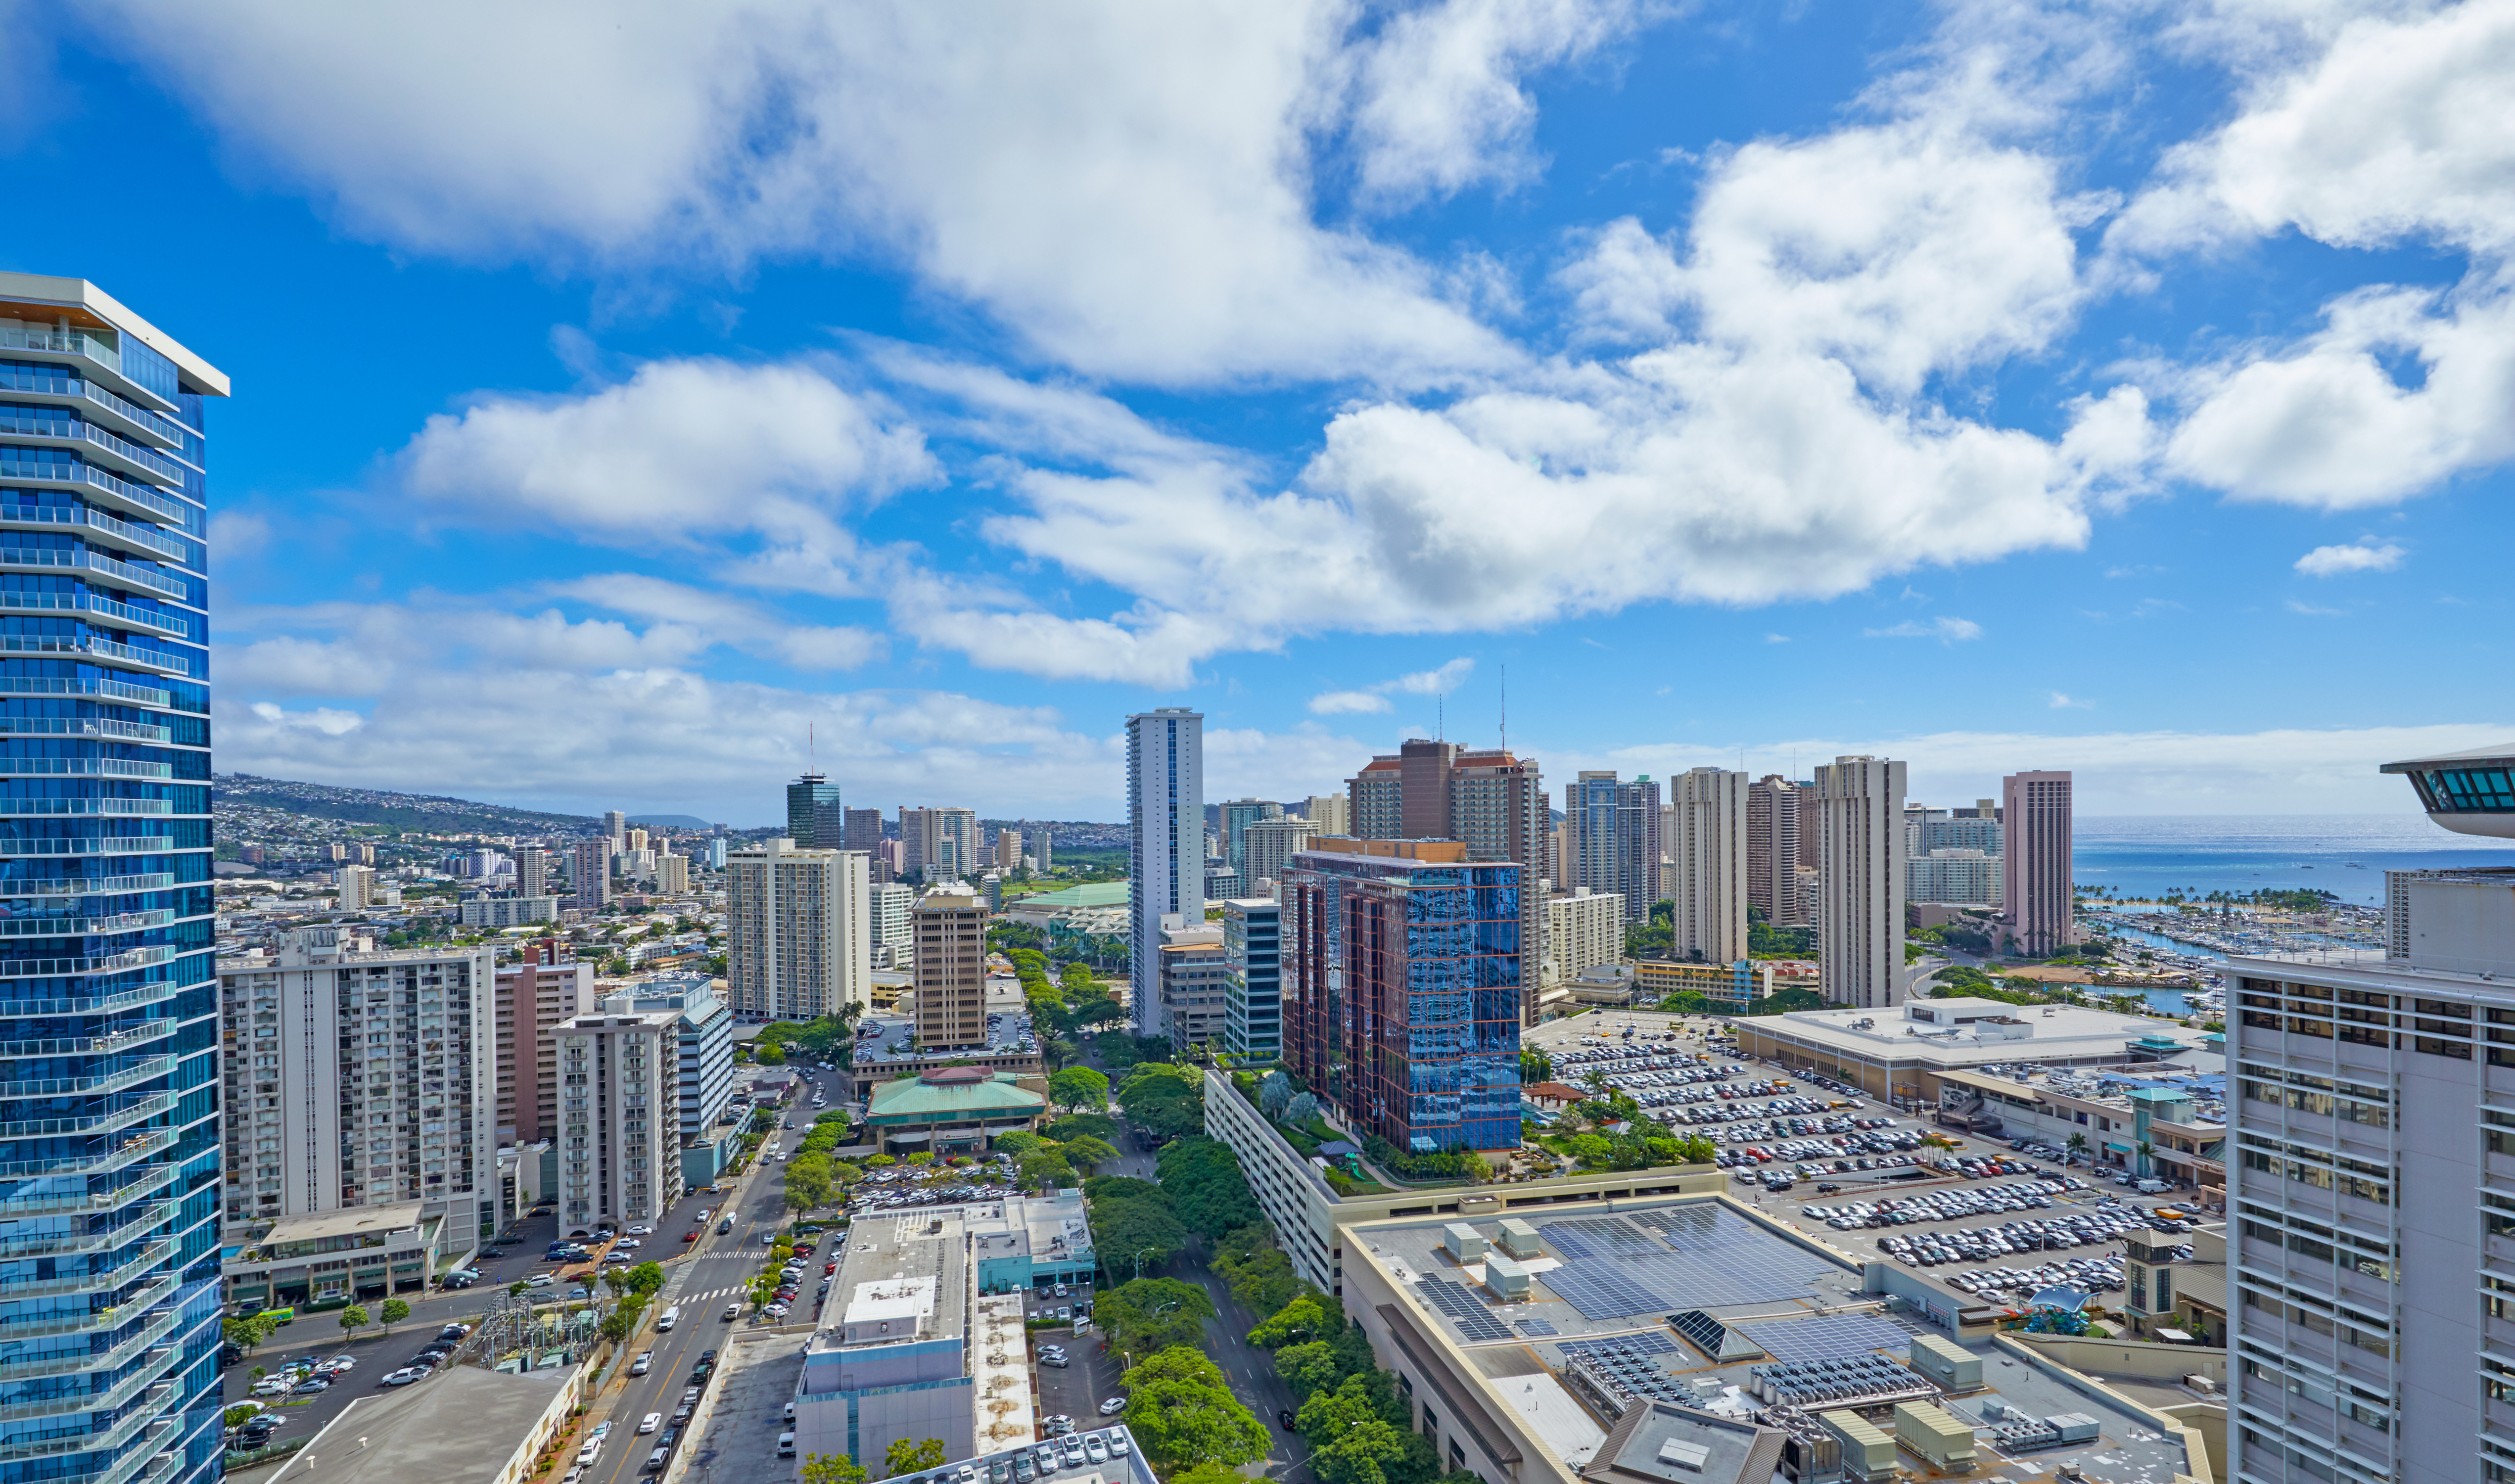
(1096, 1450)
(642, 1231)
(1117, 1442)
(540, 1280)
(1113, 1406)
(651, 1422)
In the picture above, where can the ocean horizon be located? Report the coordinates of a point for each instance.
(2344, 855)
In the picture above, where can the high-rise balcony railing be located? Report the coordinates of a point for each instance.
(140, 1340)
(107, 728)
(99, 524)
(47, 384)
(12, 1289)
(130, 1151)
(51, 1324)
(143, 1464)
(85, 885)
(121, 614)
(68, 926)
(102, 349)
(91, 845)
(112, 1121)
(72, 1202)
(64, 686)
(72, 1087)
(108, 963)
(95, 483)
(104, 650)
(146, 464)
(26, 558)
(153, 1404)
(112, 1044)
(128, 1223)
(81, 767)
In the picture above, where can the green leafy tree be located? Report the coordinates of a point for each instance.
(246, 1333)
(1046, 1167)
(393, 1313)
(1303, 1319)
(353, 1318)
(1259, 1274)
(238, 1417)
(647, 1279)
(517, 1289)
(906, 1457)
(1206, 1189)
(1182, 1411)
(1089, 1153)
(616, 1281)
(1074, 1126)
(1164, 1100)
(1372, 1451)
(1208, 1473)
(1133, 1233)
(831, 1468)
(762, 1289)
(1535, 1066)
(765, 1053)
(1150, 1315)
(1274, 1094)
(809, 1185)
(1307, 1366)
(1079, 1088)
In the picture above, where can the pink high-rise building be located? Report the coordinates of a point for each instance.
(2038, 883)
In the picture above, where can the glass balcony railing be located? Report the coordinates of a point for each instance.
(90, 886)
(95, 1126)
(111, 963)
(146, 422)
(121, 614)
(115, 532)
(130, 1151)
(9, 807)
(24, 557)
(134, 1221)
(140, 1340)
(82, 767)
(110, 1045)
(94, 481)
(134, 998)
(102, 349)
(66, 1086)
(112, 690)
(82, 726)
(112, 1278)
(94, 845)
(152, 1398)
(58, 1202)
(143, 1464)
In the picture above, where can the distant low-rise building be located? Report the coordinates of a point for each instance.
(950, 1110)
(508, 911)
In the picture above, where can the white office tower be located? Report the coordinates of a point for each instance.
(359, 1078)
(2037, 887)
(894, 937)
(1707, 849)
(1584, 929)
(619, 1118)
(1859, 804)
(799, 939)
(356, 887)
(1165, 845)
(532, 872)
(2371, 1176)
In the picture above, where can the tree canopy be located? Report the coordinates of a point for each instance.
(1149, 1315)
(1206, 1189)
(1079, 1088)
(1182, 1413)
(1164, 1100)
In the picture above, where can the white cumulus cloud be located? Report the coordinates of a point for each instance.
(2358, 557)
(1945, 629)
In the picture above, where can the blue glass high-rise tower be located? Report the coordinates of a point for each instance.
(108, 994)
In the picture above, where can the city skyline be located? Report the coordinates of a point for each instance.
(969, 494)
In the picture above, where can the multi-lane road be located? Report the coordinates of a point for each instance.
(701, 1277)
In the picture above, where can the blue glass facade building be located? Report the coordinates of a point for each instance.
(1402, 989)
(108, 993)
(1253, 1003)
(816, 815)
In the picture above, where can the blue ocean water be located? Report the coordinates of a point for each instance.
(2344, 855)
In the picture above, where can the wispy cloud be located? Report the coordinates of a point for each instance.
(2062, 701)
(2360, 557)
(2311, 611)
(1777, 639)
(1437, 681)
(1945, 629)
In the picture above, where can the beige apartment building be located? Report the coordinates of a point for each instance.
(950, 927)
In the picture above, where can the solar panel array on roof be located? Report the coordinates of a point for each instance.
(1687, 1256)
(1627, 1365)
(1818, 1383)
(1534, 1327)
(1464, 1308)
(1828, 1337)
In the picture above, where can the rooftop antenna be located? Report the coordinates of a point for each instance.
(1506, 707)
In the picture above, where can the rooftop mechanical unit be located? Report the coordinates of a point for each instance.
(1517, 1238)
(1463, 1241)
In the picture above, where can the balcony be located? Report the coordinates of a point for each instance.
(43, 560)
(114, 690)
(97, 525)
(105, 1123)
(92, 1045)
(47, 1326)
(92, 886)
(143, 1464)
(110, 1081)
(82, 726)
(144, 1338)
(95, 483)
(129, 957)
(153, 1397)
(122, 615)
(89, 1283)
(130, 1151)
(104, 652)
(56, 1202)
(74, 1244)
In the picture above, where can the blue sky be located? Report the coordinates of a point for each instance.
(2114, 386)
